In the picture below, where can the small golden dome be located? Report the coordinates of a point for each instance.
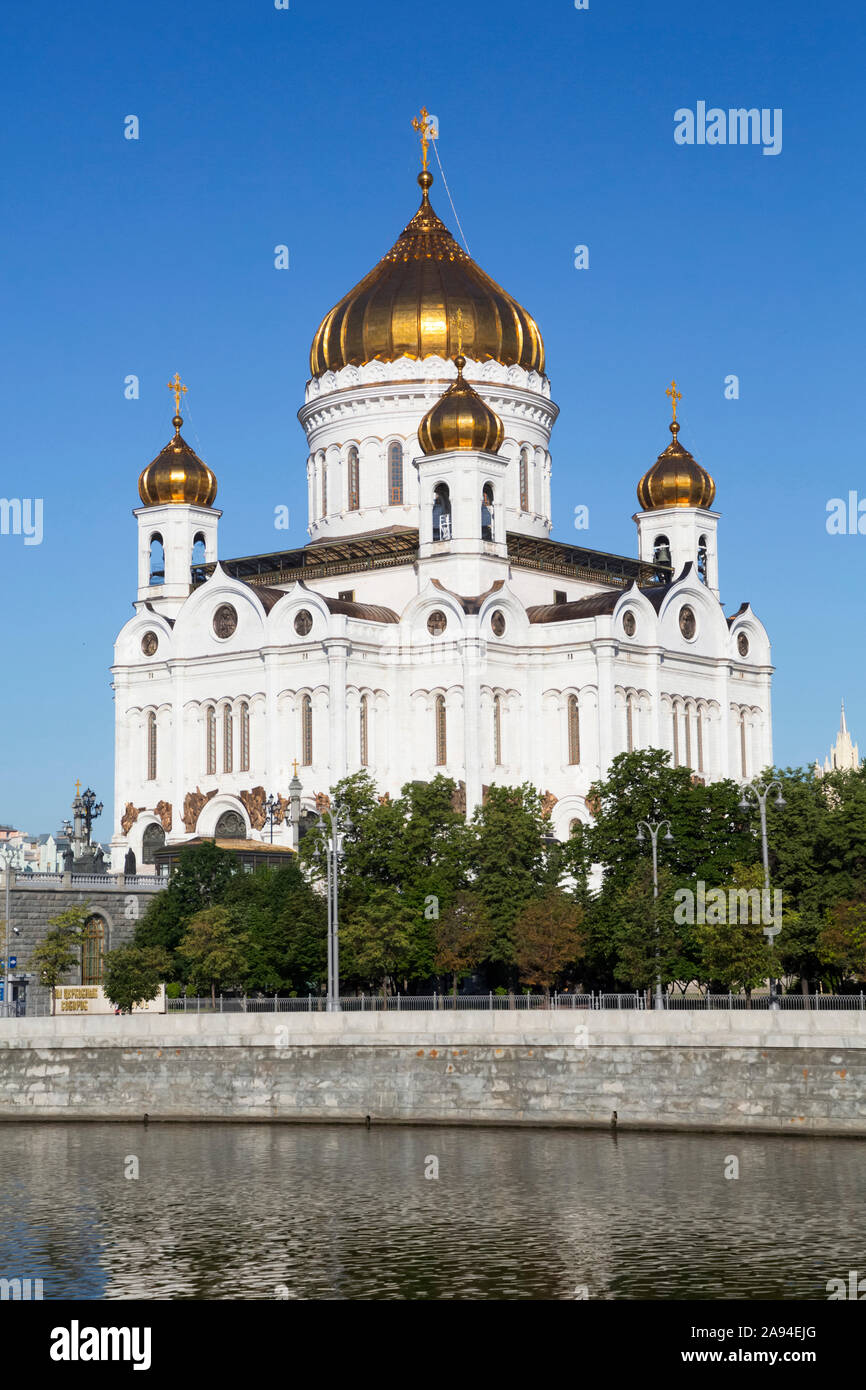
(177, 474)
(460, 419)
(407, 307)
(676, 479)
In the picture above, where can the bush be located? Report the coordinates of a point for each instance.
(172, 991)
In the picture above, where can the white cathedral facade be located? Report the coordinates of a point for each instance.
(430, 624)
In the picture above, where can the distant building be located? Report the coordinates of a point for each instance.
(844, 755)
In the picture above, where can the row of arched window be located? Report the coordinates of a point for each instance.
(662, 554)
(157, 559)
(227, 720)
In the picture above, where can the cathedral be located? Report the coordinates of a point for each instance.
(430, 624)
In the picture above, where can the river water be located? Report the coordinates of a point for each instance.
(341, 1212)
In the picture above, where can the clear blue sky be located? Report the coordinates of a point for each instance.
(262, 126)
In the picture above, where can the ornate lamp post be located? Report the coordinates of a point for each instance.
(760, 794)
(273, 813)
(652, 829)
(334, 819)
(92, 809)
(7, 854)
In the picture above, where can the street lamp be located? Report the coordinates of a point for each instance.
(274, 811)
(336, 823)
(92, 809)
(761, 794)
(6, 853)
(652, 829)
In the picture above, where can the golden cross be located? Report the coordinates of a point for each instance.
(78, 787)
(424, 126)
(178, 390)
(295, 765)
(675, 396)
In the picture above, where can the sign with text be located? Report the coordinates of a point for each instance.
(92, 999)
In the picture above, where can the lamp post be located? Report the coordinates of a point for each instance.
(273, 812)
(336, 822)
(760, 794)
(652, 829)
(6, 853)
(92, 809)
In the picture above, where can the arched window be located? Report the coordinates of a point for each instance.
(324, 487)
(487, 513)
(442, 513)
(210, 734)
(354, 480)
(92, 951)
(524, 480)
(702, 559)
(157, 559)
(441, 732)
(573, 730)
(364, 715)
(228, 731)
(151, 747)
(661, 551)
(230, 826)
(198, 559)
(395, 473)
(497, 730)
(307, 731)
(152, 840)
(744, 761)
(245, 737)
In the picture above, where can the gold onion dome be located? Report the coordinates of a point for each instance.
(177, 474)
(407, 306)
(676, 479)
(460, 419)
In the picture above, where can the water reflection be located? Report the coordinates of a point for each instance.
(341, 1212)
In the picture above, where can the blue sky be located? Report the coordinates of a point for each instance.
(261, 126)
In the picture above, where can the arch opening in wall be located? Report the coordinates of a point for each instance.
(354, 479)
(306, 731)
(152, 840)
(228, 732)
(245, 738)
(487, 512)
(93, 951)
(211, 741)
(364, 717)
(157, 560)
(442, 512)
(702, 559)
(573, 731)
(395, 474)
(230, 826)
(324, 488)
(151, 747)
(199, 555)
(661, 551)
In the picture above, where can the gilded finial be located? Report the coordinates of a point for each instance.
(675, 396)
(295, 766)
(77, 787)
(460, 332)
(423, 125)
(179, 390)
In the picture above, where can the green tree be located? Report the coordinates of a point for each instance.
(462, 937)
(283, 920)
(133, 974)
(376, 939)
(59, 951)
(508, 863)
(547, 938)
(201, 878)
(217, 952)
(842, 941)
(737, 954)
(649, 942)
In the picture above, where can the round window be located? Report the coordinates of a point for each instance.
(436, 623)
(149, 643)
(303, 622)
(743, 644)
(688, 623)
(225, 620)
(629, 623)
(497, 623)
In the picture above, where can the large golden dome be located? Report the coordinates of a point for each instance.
(460, 419)
(177, 474)
(407, 307)
(676, 479)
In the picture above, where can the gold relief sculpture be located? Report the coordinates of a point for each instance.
(254, 805)
(548, 801)
(193, 805)
(163, 810)
(130, 816)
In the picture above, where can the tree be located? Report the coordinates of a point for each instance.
(508, 862)
(649, 942)
(462, 936)
(737, 954)
(59, 951)
(547, 938)
(216, 950)
(203, 875)
(283, 920)
(133, 974)
(376, 939)
(842, 940)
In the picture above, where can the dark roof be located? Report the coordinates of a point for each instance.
(369, 612)
(592, 607)
(471, 605)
